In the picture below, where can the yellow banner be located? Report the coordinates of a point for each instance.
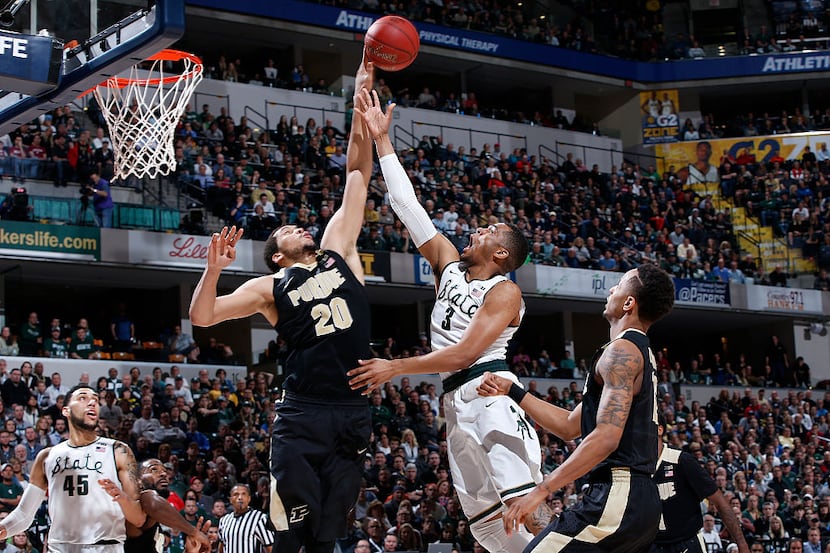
(659, 113)
(695, 159)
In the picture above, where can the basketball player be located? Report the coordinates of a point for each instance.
(701, 171)
(476, 312)
(617, 421)
(666, 105)
(92, 483)
(316, 301)
(683, 484)
(148, 538)
(651, 107)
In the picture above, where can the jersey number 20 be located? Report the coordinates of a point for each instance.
(76, 487)
(335, 315)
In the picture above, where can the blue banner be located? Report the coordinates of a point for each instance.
(552, 56)
(29, 64)
(701, 292)
(423, 271)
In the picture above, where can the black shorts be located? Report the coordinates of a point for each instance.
(690, 545)
(317, 453)
(620, 515)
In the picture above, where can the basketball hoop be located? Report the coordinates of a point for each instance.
(142, 112)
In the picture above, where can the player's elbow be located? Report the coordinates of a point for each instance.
(607, 439)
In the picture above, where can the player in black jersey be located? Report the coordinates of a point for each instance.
(148, 538)
(617, 421)
(683, 484)
(317, 303)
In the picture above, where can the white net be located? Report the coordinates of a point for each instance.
(142, 112)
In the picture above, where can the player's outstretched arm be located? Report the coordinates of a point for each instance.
(500, 307)
(127, 494)
(206, 309)
(343, 230)
(435, 247)
(565, 424)
(159, 509)
(22, 516)
(730, 520)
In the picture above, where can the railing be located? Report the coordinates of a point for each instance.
(302, 113)
(71, 211)
(223, 99)
(262, 122)
(749, 238)
(398, 132)
(458, 134)
(557, 158)
(615, 157)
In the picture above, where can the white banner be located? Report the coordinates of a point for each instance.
(581, 283)
(182, 250)
(791, 300)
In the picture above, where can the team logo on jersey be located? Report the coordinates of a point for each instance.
(298, 514)
(521, 424)
(84, 463)
(319, 286)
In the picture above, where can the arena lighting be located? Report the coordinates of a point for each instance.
(818, 328)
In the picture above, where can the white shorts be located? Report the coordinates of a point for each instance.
(494, 452)
(83, 548)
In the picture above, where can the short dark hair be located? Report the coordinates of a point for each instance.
(517, 246)
(77, 387)
(271, 249)
(655, 293)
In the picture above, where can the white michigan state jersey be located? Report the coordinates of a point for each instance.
(698, 176)
(81, 511)
(455, 304)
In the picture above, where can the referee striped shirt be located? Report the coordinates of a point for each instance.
(246, 533)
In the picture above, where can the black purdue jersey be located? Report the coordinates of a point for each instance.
(682, 484)
(324, 318)
(638, 444)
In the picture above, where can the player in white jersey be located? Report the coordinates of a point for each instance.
(494, 454)
(651, 107)
(92, 483)
(701, 171)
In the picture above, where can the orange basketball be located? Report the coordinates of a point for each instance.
(392, 43)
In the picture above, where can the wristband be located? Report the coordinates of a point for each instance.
(516, 393)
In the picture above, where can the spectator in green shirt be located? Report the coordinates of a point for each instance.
(54, 346)
(10, 491)
(82, 345)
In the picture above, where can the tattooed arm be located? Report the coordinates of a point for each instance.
(621, 369)
(127, 494)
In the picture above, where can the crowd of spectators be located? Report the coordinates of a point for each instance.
(766, 450)
(120, 339)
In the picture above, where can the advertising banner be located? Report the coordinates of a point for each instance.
(423, 271)
(53, 241)
(791, 300)
(581, 283)
(697, 161)
(658, 112)
(701, 292)
(376, 266)
(182, 250)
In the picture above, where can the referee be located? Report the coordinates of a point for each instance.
(244, 530)
(683, 484)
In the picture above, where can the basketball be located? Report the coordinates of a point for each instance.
(392, 43)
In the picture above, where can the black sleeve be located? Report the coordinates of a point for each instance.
(698, 479)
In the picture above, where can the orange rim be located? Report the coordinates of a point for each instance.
(164, 55)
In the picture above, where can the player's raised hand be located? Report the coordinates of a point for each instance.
(365, 76)
(372, 374)
(222, 249)
(111, 488)
(198, 541)
(368, 105)
(493, 385)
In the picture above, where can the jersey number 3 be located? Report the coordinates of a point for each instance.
(335, 315)
(76, 487)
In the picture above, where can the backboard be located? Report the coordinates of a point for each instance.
(111, 36)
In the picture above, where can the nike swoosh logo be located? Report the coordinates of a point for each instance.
(362, 451)
(489, 404)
